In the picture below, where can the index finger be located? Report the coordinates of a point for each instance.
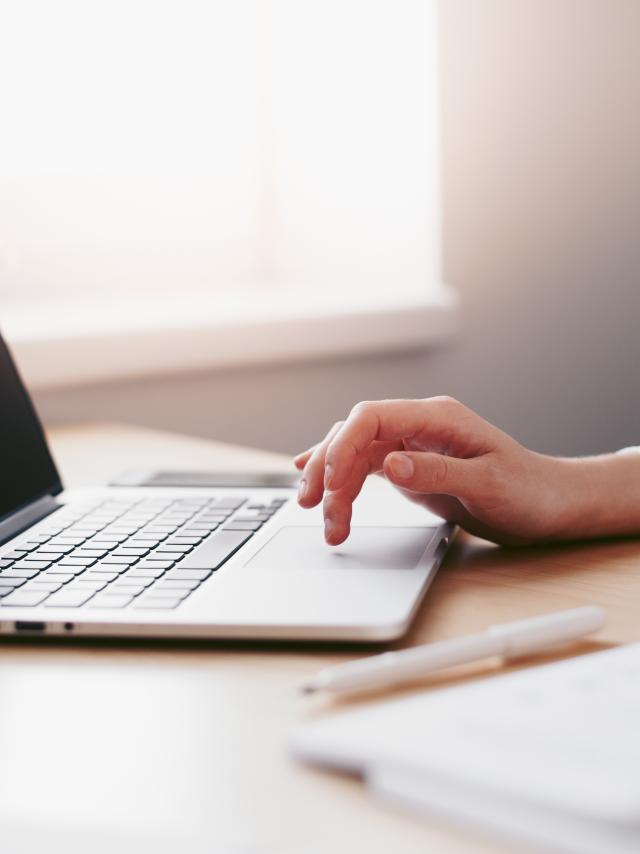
(440, 423)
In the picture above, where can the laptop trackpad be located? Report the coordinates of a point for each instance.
(303, 547)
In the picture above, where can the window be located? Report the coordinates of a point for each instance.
(233, 153)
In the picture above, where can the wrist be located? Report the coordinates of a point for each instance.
(598, 496)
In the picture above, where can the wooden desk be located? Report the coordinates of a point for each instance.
(187, 743)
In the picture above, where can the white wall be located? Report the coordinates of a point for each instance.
(541, 105)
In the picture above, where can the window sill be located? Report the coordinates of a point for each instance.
(64, 345)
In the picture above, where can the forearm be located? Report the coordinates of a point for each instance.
(601, 496)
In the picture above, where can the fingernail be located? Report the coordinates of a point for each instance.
(401, 466)
(328, 474)
(328, 528)
(302, 489)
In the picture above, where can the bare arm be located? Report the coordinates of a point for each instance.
(445, 456)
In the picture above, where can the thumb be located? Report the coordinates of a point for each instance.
(431, 473)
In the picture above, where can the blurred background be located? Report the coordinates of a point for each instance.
(237, 219)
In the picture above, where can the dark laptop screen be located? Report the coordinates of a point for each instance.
(27, 471)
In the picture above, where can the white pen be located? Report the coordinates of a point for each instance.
(510, 640)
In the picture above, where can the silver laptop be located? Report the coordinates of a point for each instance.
(196, 562)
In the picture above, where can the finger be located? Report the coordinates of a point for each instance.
(437, 474)
(338, 505)
(300, 460)
(440, 422)
(311, 486)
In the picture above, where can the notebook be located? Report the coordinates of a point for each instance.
(548, 756)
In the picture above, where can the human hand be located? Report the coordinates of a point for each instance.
(443, 455)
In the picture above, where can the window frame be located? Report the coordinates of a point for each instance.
(75, 347)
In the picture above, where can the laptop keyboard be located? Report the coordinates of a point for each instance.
(149, 553)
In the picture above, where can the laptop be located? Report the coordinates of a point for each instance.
(195, 562)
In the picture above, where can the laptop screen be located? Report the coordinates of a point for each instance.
(27, 471)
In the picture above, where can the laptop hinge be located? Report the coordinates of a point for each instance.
(26, 517)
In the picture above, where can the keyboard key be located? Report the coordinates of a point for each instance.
(171, 557)
(229, 503)
(102, 514)
(48, 532)
(96, 553)
(173, 549)
(113, 569)
(99, 576)
(5, 563)
(199, 532)
(124, 529)
(189, 574)
(168, 583)
(63, 526)
(133, 582)
(96, 543)
(55, 548)
(86, 584)
(159, 589)
(153, 564)
(69, 570)
(153, 602)
(142, 535)
(69, 598)
(14, 555)
(50, 557)
(140, 551)
(184, 541)
(132, 589)
(25, 548)
(243, 526)
(4, 591)
(108, 537)
(103, 600)
(161, 529)
(123, 560)
(216, 550)
(152, 571)
(98, 524)
(17, 572)
(143, 542)
(67, 541)
(24, 599)
(77, 561)
(12, 583)
(60, 577)
(31, 564)
(50, 586)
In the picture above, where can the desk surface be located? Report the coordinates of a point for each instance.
(187, 742)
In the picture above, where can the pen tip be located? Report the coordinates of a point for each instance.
(308, 689)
